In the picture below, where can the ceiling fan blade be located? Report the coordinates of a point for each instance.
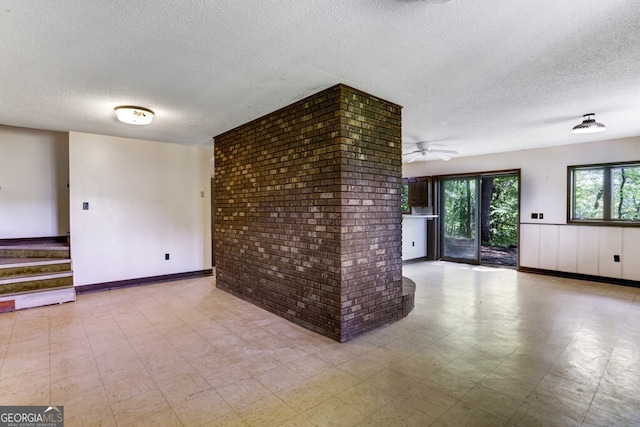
(437, 150)
(415, 156)
(442, 156)
(427, 148)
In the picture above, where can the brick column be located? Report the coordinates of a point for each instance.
(307, 212)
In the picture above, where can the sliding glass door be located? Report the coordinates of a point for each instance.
(458, 219)
(479, 218)
(499, 207)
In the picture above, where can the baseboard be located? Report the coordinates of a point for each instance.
(34, 240)
(142, 281)
(578, 276)
(416, 260)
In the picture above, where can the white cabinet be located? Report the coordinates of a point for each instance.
(414, 237)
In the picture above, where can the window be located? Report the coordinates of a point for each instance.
(404, 196)
(607, 193)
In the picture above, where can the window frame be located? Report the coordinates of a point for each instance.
(607, 197)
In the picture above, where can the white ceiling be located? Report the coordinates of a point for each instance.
(477, 76)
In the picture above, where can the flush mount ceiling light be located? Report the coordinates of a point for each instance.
(589, 125)
(134, 115)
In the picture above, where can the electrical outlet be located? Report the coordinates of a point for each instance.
(85, 206)
(534, 216)
(202, 194)
(616, 258)
(166, 256)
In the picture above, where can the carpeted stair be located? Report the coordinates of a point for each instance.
(34, 274)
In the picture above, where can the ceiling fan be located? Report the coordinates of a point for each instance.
(424, 148)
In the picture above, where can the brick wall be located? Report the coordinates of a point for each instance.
(307, 212)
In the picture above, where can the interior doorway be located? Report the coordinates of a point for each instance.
(479, 217)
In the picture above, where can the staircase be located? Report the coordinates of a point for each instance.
(33, 273)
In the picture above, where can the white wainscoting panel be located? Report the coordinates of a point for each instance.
(630, 258)
(567, 244)
(588, 250)
(610, 245)
(529, 245)
(548, 253)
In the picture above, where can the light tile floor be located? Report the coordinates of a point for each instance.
(483, 347)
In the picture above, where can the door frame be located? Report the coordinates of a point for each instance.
(438, 236)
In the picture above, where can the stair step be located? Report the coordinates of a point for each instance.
(37, 298)
(53, 246)
(7, 260)
(35, 282)
(21, 278)
(35, 251)
(25, 266)
(35, 272)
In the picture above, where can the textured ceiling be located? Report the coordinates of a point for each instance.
(477, 76)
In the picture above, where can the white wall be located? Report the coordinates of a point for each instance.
(550, 243)
(34, 173)
(145, 200)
